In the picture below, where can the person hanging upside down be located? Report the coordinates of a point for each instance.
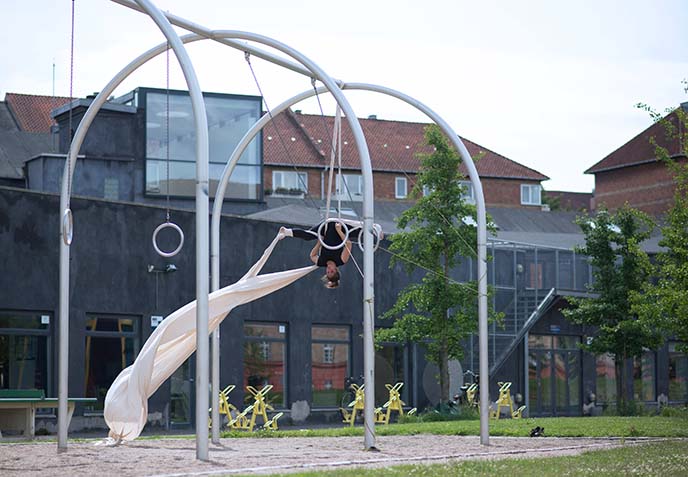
(333, 235)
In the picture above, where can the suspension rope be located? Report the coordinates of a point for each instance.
(323, 123)
(336, 136)
(247, 57)
(167, 130)
(71, 98)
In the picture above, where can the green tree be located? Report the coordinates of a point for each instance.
(438, 312)
(620, 268)
(664, 302)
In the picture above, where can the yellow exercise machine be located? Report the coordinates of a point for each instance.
(260, 408)
(394, 403)
(358, 404)
(506, 401)
(226, 407)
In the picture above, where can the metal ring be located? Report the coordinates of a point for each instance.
(67, 227)
(174, 252)
(322, 239)
(377, 230)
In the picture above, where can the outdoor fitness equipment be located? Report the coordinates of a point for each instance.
(394, 403)
(224, 407)
(506, 401)
(259, 407)
(358, 404)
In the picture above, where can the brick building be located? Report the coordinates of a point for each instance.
(297, 154)
(634, 174)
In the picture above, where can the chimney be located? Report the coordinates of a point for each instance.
(298, 111)
(372, 116)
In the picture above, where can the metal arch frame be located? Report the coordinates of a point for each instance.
(480, 206)
(313, 71)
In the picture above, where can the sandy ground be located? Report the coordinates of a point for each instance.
(172, 457)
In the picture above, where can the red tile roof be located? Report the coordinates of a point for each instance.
(639, 150)
(393, 146)
(32, 112)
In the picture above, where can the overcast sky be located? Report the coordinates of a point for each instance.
(549, 84)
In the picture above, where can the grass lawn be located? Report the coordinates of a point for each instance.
(666, 459)
(646, 426)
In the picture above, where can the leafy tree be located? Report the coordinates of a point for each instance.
(664, 303)
(438, 312)
(620, 268)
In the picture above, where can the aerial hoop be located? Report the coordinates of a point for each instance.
(173, 226)
(321, 230)
(377, 232)
(67, 227)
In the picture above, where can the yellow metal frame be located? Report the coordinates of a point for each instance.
(260, 407)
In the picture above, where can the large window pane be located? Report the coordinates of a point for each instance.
(330, 347)
(644, 377)
(389, 369)
(25, 351)
(678, 374)
(606, 379)
(112, 343)
(229, 117)
(265, 352)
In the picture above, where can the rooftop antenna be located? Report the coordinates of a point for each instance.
(53, 76)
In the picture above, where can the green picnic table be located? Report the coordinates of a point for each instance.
(18, 409)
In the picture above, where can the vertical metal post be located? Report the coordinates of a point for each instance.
(63, 332)
(526, 374)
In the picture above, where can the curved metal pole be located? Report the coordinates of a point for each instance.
(480, 206)
(70, 164)
(202, 226)
(368, 206)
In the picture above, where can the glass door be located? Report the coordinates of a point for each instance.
(554, 372)
(183, 395)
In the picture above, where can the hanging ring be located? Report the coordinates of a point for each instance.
(377, 231)
(321, 238)
(170, 225)
(67, 227)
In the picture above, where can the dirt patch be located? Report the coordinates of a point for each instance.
(167, 457)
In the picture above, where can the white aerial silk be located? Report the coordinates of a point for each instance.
(174, 340)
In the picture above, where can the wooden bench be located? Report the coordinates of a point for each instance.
(18, 409)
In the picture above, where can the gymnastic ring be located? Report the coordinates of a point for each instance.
(67, 227)
(170, 225)
(377, 230)
(322, 239)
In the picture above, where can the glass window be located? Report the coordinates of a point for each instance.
(330, 347)
(265, 354)
(24, 350)
(112, 343)
(678, 374)
(644, 377)
(350, 187)
(468, 194)
(390, 369)
(606, 378)
(289, 182)
(400, 188)
(530, 194)
(539, 342)
(170, 130)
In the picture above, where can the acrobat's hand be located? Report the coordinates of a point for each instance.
(285, 232)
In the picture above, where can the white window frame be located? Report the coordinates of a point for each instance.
(286, 179)
(527, 194)
(469, 194)
(328, 353)
(400, 183)
(353, 189)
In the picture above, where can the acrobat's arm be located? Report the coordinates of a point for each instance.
(315, 252)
